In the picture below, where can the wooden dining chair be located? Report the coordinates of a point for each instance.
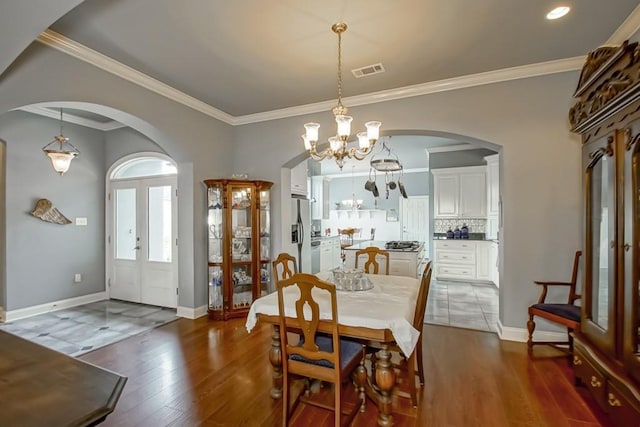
(346, 240)
(371, 264)
(566, 314)
(324, 357)
(284, 266)
(415, 359)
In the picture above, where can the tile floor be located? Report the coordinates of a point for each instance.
(463, 305)
(80, 329)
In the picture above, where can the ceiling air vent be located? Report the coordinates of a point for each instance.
(368, 70)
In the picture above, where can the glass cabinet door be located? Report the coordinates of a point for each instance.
(242, 199)
(215, 242)
(265, 242)
(599, 296)
(631, 247)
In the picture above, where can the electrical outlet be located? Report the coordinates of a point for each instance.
(77, 278)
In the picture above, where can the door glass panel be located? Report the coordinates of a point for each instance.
(125, 235)
(599, 208)
(159, 215)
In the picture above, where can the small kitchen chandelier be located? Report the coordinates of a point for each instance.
(338, 144)
(60, 151)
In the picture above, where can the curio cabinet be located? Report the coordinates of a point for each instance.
(239, 245)
(606, 114)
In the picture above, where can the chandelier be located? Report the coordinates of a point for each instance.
(338, 143)
(60, 151)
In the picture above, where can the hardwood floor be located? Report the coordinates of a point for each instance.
(208, 373)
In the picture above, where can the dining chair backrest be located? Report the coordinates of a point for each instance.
(423, 296)
(284, 266)
(306, 320)
(371, 264)
(346, 237)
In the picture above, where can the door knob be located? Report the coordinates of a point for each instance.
(137, 248)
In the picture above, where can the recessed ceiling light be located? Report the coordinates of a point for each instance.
(558, 12)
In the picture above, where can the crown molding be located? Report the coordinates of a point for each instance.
(627, 29)
(71, 118)
(447, 148)
(79, 51)
(90, 56)
(514, 73)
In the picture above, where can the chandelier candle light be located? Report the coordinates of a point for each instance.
(338, 144)
(61, 155)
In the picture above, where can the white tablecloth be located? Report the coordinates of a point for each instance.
(389, 305)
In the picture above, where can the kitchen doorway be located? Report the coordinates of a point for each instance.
(141, 231)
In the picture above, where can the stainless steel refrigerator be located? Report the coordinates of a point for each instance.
(300, 245)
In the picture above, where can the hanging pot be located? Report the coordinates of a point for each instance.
(401, 186)
(370, 184)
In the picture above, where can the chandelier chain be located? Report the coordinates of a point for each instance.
(340, 68)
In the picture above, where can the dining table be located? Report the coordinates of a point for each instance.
(42, 387)
(382, 314)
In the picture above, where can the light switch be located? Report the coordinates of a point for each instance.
(81, 221)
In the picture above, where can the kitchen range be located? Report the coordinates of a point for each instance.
(406, 258)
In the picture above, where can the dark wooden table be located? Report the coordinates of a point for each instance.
(39, 386)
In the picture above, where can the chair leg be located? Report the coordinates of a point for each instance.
(285, 402)
(360, 381)
(337, 389)
(420, 360)
(531, 325)
(411, 378)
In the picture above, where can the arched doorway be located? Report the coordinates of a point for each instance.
(141, 226)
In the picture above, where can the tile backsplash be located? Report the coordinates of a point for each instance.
(475, 225)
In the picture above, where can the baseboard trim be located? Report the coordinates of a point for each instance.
(21, 313)
(507, 333)
(191, 313)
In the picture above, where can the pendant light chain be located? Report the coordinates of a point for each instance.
(340, 69)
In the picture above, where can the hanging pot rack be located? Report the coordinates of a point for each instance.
(390, 163)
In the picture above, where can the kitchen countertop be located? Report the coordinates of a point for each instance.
(472, 236)
(380, 245)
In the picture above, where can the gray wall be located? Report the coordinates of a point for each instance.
(3, 260)
(125, 141)
(42, 257)
(201, 145)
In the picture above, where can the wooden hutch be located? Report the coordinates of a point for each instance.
(607, 116)
(239, 245)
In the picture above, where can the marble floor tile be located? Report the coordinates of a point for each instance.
(80, 329)
(463, 305)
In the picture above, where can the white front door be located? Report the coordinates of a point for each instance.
(415, 218)
(142, 241)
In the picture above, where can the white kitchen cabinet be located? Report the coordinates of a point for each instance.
(460, 192)
(299, 184)
(484, 269)
(455, 259)
(467, 260)
(330, 253)
(495, 275)
(319, 198)
(446, 190)
(493, 196)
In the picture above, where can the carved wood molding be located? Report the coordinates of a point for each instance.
(609, 74)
